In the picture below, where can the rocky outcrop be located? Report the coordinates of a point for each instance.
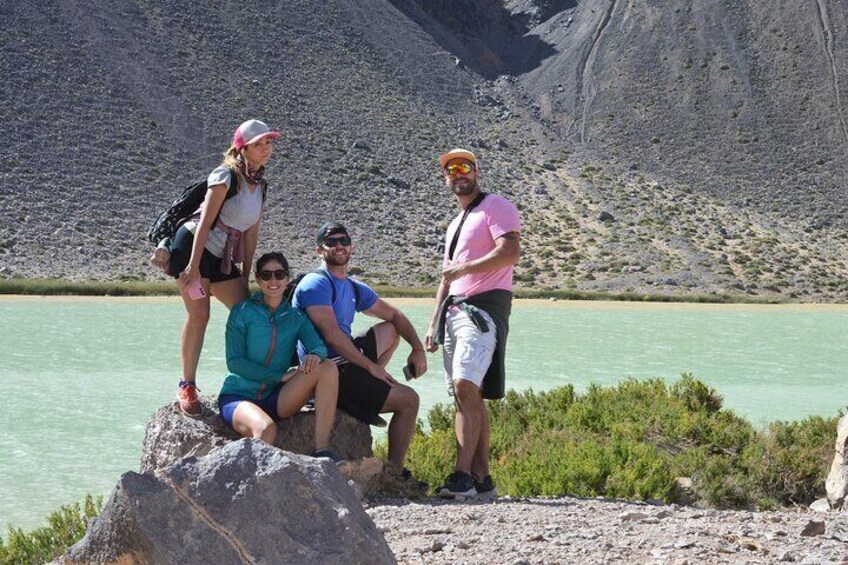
(171, 436)
(244, 502)
(837, 481)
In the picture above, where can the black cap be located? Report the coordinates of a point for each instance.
(328, 229)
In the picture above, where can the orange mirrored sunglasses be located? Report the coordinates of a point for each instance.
(459, 169)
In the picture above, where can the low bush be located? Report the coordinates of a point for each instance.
(633, 441)
(64, 528)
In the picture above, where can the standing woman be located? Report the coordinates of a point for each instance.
(205, 249)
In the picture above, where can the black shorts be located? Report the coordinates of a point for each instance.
(361, 395)
(210, 266)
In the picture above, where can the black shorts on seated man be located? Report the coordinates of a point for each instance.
(366, 389)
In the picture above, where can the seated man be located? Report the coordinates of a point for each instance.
(366, 389)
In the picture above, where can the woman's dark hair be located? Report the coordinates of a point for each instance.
(272, 256)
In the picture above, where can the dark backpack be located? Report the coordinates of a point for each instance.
(187, 205)
(288, 293)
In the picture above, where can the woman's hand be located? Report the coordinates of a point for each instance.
(188, 275)
(309, 362)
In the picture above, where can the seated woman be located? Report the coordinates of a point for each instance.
(262, 336)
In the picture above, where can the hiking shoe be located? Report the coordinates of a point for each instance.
(188, 401)
(327, 454)
(421, 486)
(458, 484)
(486, 488)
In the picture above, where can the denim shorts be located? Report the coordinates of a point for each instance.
(227, 404)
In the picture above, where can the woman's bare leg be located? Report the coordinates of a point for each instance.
(230, 292)
(194, 328)
(249, 420)
(322, 383)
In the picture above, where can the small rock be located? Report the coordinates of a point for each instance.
(633, 517)
(787, 557)
(683, 544)
(813, 528)
(606, 217)
(400, 183)
(536, 537)
(726, 548)
(750, 544)
(821, 505)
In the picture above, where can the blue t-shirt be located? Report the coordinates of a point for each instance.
(315, 290)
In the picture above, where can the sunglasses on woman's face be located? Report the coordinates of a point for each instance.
(278, 274)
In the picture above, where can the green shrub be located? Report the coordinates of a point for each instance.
(64, 528)
(632, 441)
(791, 464)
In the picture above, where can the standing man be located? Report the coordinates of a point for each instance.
(331, 299)
(471, 318)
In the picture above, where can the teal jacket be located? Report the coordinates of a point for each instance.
(260, 345)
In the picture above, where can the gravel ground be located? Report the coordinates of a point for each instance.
(572, 530)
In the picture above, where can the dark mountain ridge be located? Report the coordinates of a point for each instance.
(713, 134)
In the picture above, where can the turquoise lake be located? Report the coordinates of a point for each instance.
(82, 376)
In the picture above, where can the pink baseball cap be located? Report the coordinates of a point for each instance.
(252, 131)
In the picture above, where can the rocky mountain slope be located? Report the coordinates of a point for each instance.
(669, 147)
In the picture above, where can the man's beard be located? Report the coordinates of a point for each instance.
(332, 259)
(463, 189)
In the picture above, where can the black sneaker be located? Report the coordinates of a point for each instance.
(486, 488)
(458, 484)
(421, 486)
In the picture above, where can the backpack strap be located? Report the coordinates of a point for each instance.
(467, 211)
(232, 190)
(333, 286)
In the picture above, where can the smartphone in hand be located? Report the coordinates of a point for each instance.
(409, 371)
(195, 290)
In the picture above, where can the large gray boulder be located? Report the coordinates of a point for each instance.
(170, 435)
(244, 502)
(837, 480)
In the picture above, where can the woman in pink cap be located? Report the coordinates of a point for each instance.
(206, 249)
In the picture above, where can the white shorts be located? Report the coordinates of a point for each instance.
(467, 351)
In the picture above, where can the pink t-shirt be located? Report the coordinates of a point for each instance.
(491, 219)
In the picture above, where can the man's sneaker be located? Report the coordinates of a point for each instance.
(420, 486)
(458, 484)
(327, 454)
(486, 488)
(187, 397)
